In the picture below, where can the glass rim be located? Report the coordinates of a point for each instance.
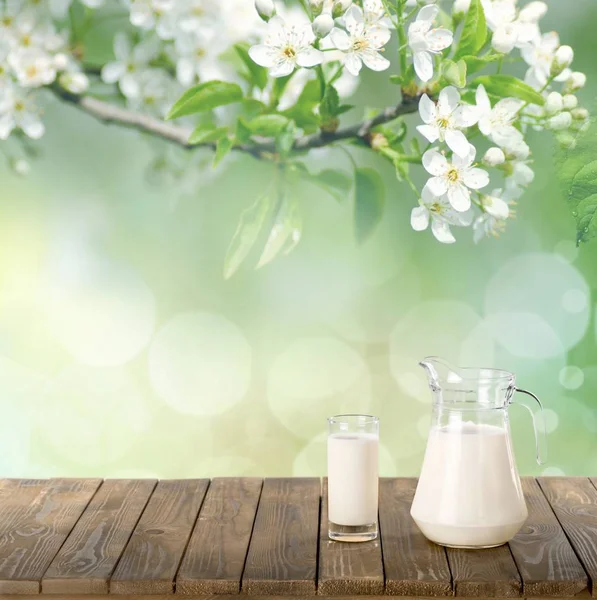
(348, 417)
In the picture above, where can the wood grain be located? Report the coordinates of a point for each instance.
(282, 557)
(574, 501)
(151, 558)
(35, 518)
(489, 573)
(214, 560)
(91, 551)
(413, 565)
(544, 557)
(347, 569)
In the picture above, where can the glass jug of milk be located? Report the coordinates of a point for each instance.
(469, 493)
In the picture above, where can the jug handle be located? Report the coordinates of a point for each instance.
(538, 424)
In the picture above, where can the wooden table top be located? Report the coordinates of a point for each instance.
(73, 537)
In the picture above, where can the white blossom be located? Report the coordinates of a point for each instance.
(497, 122)
(196, 56)
(440, 213)
(576, 81)
(74, 82)
(569, 101)
(130, 62)
(285, 47)
(460, 6)
(424, 41)
(494, 156)
(539, 55)
(265, 9)
(444, 120)
(455, 178)
(562, 59)
(156, 93)
(19, 111)
(520, 176)
(509, 29)
(554, 103)
(32, 67)
(152, 14)
(361, 43)
(560, 121)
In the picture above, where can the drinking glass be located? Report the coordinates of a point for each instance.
(353, 477)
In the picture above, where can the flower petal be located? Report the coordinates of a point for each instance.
(434, 162)
(439, 39)
(309, 57)
(482, 99)
(378, 36)
(465, 161)
(550, 41)
(374, 60)
(340, 39)
(112, 72)
(457, 142)
(437, 186)
(32, 126)
(429, 132)
(459, 197)
(466, 115)
(496, 207)
(428, 13)
(427, 109)
(423, 65)
(441, 231)
(353, 63)
(475, 178)
(263, 55)
(122, 46)
(419, 218)
(282, 68)
(448, 101)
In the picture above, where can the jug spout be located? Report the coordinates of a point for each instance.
(439, 372)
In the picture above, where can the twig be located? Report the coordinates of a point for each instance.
(109, 113)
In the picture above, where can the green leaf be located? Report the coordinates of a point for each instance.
(303, 111)
(476, 63)
(285, 233)
(577, 171)
(246, 234)
(507, 86)
(278, 88)
(256, 74)
(223, 147)
(369, 201)
(243, 131)
(268, 125)
(207, 133)
(334, 182)
(285, 139)
(454, 73)
(205, 96)
(330, 104)
(474, 31)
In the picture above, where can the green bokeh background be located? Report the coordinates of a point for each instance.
(123, 352)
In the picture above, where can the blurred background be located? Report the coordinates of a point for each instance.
(123, 352)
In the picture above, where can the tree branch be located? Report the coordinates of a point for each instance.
(111, 114)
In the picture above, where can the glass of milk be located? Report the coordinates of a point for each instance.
(353, 477)
(469, 493)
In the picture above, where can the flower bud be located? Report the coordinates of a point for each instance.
(576, 81)
(570, 101)
(316, 7)
(21, 167)
(76, 83)
(580, 114)
(532, 12)
(560, 121)
(461, 6)
(340, 7)
(518, 150)
(378, 141)
(265, 9)
(562, 59)
(494, 156)
(554, 103)
(60, 61)
(322, 25)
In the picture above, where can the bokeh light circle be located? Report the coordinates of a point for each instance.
(567, 249)
(525, 297)
(102, 313)
(551, 420)
(92, 416)
(574, 301)
(200, 364)
(314, 378)
(571, 377)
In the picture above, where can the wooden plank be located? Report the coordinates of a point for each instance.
(214, 560)
(282, 557)
(574, 501)
(90, 553)
(488, 573)
(413, 565)
(544, 557)
(151, 558)
(35, 518)
(347, 569)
